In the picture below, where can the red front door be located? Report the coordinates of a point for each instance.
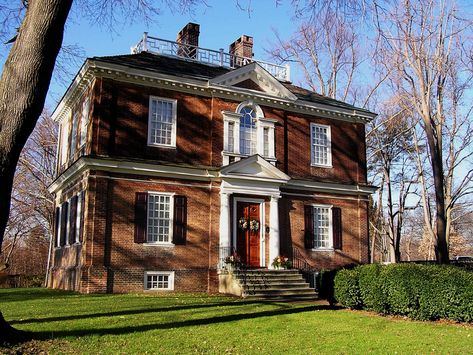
(248, 233)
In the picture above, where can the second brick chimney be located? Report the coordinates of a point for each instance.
(242, 47)
(189, 35)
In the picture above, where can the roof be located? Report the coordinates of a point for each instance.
(197, 70)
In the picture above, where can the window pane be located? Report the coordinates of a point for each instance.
(248, 131)
(266, 142)
(84, 120)
(161, 122)
(231, 137)
(159, 207)
(75, 126)
(320, 141)
(322, 227)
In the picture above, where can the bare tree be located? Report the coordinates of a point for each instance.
(27, 73)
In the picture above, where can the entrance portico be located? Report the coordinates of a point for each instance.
(245, 186)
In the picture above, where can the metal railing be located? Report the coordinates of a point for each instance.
(205, 55)
(309, 272)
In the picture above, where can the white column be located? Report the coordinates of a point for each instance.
(273, 229)
(224, 222)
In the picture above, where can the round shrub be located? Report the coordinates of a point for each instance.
(347, 291)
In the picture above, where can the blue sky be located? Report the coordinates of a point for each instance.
(221, 22)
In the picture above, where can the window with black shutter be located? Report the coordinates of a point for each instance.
(64, 231)
(141, 202)
(308, 227)
(80, 237)
(180, 220)
(73, 220)
(337, 227)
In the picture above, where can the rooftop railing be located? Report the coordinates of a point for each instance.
(205, 55)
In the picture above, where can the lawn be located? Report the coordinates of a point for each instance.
(66, 322)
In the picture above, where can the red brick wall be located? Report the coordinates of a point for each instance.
(354, 230)
(121, 128)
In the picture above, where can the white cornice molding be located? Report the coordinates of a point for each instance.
(295, 184)
(201, 174)
(96, 68)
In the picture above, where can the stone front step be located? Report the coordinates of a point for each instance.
(275, 285)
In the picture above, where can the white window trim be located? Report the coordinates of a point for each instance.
(171, 220)
(84, 122)
(170, 274)
(330, 228)
(59, 228)
(74, 135)
(64, 141)
(174, 122)
(329, 155)
(68, 223)
(78, 215)
(261, 123)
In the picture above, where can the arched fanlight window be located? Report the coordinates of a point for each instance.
(247, 130)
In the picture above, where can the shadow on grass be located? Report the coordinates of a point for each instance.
(180, 324)
(132, 311)
(29, 294)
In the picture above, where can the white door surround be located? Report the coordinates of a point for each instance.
(254, 178)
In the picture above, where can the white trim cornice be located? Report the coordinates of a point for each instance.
(202, 174)
(93, 68)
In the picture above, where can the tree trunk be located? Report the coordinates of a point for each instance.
(441, 248)
(24, 84)
(10, 335)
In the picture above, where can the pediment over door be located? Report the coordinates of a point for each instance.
(254, 167)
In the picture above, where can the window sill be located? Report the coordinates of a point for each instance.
(321, 166)
(323, 249)
(169, 245)
(159, 289)
(165, 146)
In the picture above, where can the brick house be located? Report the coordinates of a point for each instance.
(173, 157)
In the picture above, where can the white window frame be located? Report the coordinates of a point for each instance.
(59, 228)
(330, 227)
(84, 121)
(64, 141)
(174, 122)
(171, 219)
(262, 123)
(78, 217)
(68, 223)
(170, 275)
(329, 146)
(74, 132)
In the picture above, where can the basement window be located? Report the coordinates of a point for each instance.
(159, 280)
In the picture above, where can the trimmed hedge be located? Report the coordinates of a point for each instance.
(424, 292)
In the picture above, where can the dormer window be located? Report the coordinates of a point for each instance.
(247, 132)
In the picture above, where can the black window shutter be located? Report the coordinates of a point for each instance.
(82, 213)
(64, 208)
(337, 227)
(57, 221)
(308, 227)
(73, 220)
(141, 204)
(180, 220)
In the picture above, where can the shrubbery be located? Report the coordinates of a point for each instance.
(416, 291)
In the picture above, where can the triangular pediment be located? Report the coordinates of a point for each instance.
(254, 167)
(254, 77)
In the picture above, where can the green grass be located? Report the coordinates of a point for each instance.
(187, 324)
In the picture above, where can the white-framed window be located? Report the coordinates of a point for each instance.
(159, 218)
(75, 127)
(320, 145)
(84, 121)
(248, 132)
(64, 141)
(323, 238)
(162, 122)
(79, 217)
(159, 280)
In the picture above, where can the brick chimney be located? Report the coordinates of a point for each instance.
(188, 35)
(242, 47)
